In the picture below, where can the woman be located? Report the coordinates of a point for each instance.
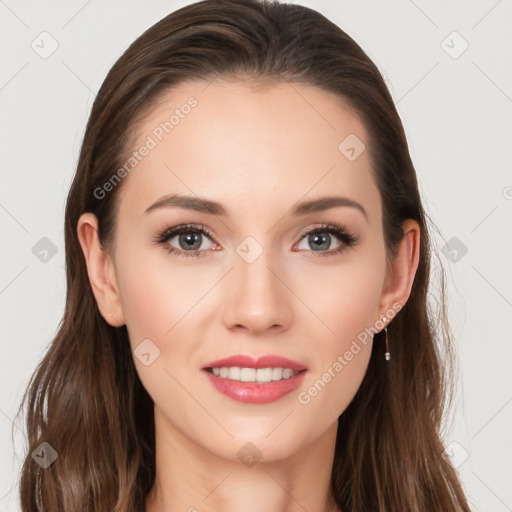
(248, 258)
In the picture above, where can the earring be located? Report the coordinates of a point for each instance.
(387, 355)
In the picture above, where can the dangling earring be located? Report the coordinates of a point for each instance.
(387, 355)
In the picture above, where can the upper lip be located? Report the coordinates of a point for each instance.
(268, 361)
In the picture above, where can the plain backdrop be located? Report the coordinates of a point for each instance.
(447, 65)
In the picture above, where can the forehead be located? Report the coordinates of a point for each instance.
(249, 148)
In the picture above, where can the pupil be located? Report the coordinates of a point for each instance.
(190, 239)
(324, 241)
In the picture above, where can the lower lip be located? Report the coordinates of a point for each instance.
(254, 392)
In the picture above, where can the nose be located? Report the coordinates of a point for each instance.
(258, 299)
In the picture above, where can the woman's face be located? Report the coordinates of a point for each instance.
(257, 283)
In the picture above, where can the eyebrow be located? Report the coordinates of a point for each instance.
(203, 205)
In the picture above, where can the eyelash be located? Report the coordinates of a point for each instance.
(346, 238)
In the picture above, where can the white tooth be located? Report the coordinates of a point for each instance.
(277, 373)
(248, 375)
(264, 375)
(234, 373)
(253, 375)
(287, 373)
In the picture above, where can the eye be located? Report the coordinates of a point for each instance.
(319, 238)
(189, 239)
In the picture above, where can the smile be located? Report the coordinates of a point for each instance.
(252, 380)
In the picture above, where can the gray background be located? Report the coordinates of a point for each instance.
(456, 109)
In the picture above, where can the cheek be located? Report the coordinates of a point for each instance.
(158, 305)
(349, 308)
(328, 393)
(344, 297)
(156, 295)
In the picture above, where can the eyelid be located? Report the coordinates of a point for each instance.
(166, 233)
(346, 236)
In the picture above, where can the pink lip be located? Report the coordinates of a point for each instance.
(269, 361)
(254, 392)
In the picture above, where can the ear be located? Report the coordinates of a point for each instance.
(100, 269)
(400, 277)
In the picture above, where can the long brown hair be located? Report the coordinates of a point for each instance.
(85, 398)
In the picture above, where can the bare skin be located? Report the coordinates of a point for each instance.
(257, 153)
